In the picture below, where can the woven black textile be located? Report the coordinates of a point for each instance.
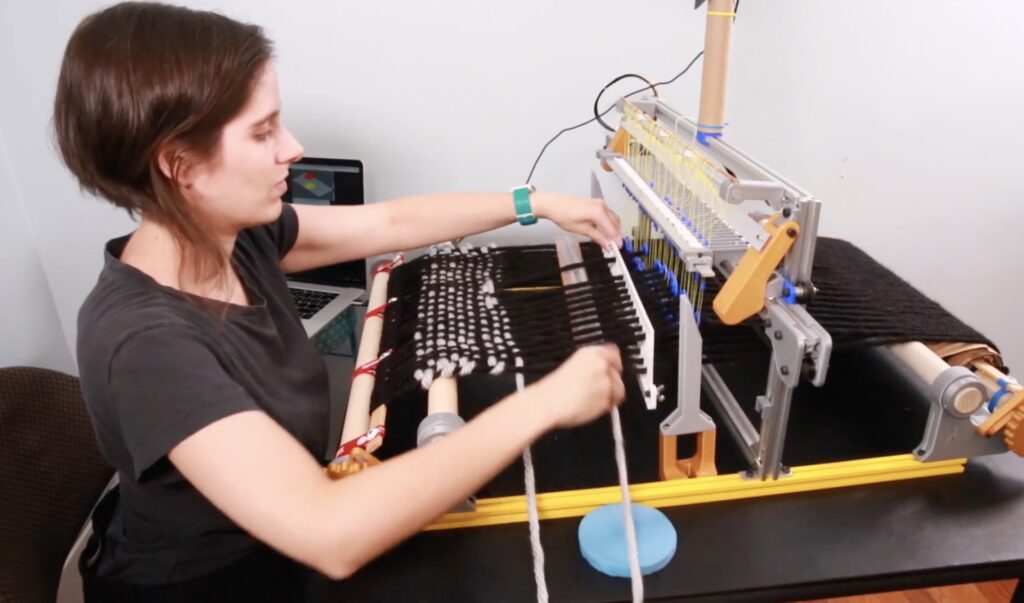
(860, 302)
(52, 474)
(468, 311)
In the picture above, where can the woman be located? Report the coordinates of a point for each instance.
(204, 391)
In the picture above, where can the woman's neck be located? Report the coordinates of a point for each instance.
(154, 250)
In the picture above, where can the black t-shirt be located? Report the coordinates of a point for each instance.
(157, 365)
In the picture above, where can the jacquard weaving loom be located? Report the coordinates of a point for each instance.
(760, 358)
(824, 368)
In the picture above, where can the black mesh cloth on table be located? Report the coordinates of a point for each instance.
(859, 301)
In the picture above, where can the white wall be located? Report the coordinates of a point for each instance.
(901, 123)
(906, 120)
(30, 331)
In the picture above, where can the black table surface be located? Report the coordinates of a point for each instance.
(909, 534)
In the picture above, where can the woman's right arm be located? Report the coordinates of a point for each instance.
(261, 477)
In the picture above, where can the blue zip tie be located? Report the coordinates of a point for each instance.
(789, 290)
(627, 244)
(660, 267)
(1004, 388)
(644, 249)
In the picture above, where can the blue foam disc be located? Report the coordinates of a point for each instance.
(602, 537)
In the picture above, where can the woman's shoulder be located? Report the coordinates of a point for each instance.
(123, 305)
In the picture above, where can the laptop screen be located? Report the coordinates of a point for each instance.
(321, 181)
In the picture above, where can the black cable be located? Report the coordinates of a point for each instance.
(606, 111)
(612, 83)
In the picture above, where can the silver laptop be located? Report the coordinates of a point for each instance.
(323, 294)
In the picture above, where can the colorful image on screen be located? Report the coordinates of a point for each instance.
(315, 187)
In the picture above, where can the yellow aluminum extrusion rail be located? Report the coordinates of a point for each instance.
(673, 493)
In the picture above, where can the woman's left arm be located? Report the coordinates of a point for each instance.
(328, 235)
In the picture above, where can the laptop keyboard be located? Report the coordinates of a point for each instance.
(310, 302)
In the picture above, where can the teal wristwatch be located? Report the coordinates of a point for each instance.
(521, 197)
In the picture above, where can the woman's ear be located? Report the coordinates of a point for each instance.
(173, 163)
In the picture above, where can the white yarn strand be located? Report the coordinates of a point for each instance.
(531, 512)
(635, 577)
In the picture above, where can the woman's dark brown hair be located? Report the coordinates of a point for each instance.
(143, 78)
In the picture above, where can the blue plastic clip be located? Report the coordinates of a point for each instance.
(1004, 388)
(660, 267)
(644, 249)
(627, 244)
(673, 284)
(789, 291)
(702, 137)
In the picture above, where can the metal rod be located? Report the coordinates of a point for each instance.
(774, 419)
(739, 426)
(743, 165)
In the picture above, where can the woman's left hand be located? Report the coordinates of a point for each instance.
(588, 217)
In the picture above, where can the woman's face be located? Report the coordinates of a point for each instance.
(242, 184)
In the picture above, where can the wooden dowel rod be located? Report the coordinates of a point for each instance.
(357, 415)
(443, 396)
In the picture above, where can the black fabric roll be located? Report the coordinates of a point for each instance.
(859, 301)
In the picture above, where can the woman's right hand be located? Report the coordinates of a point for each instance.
(584, 387)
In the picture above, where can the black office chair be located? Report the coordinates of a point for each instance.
(51, 474)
